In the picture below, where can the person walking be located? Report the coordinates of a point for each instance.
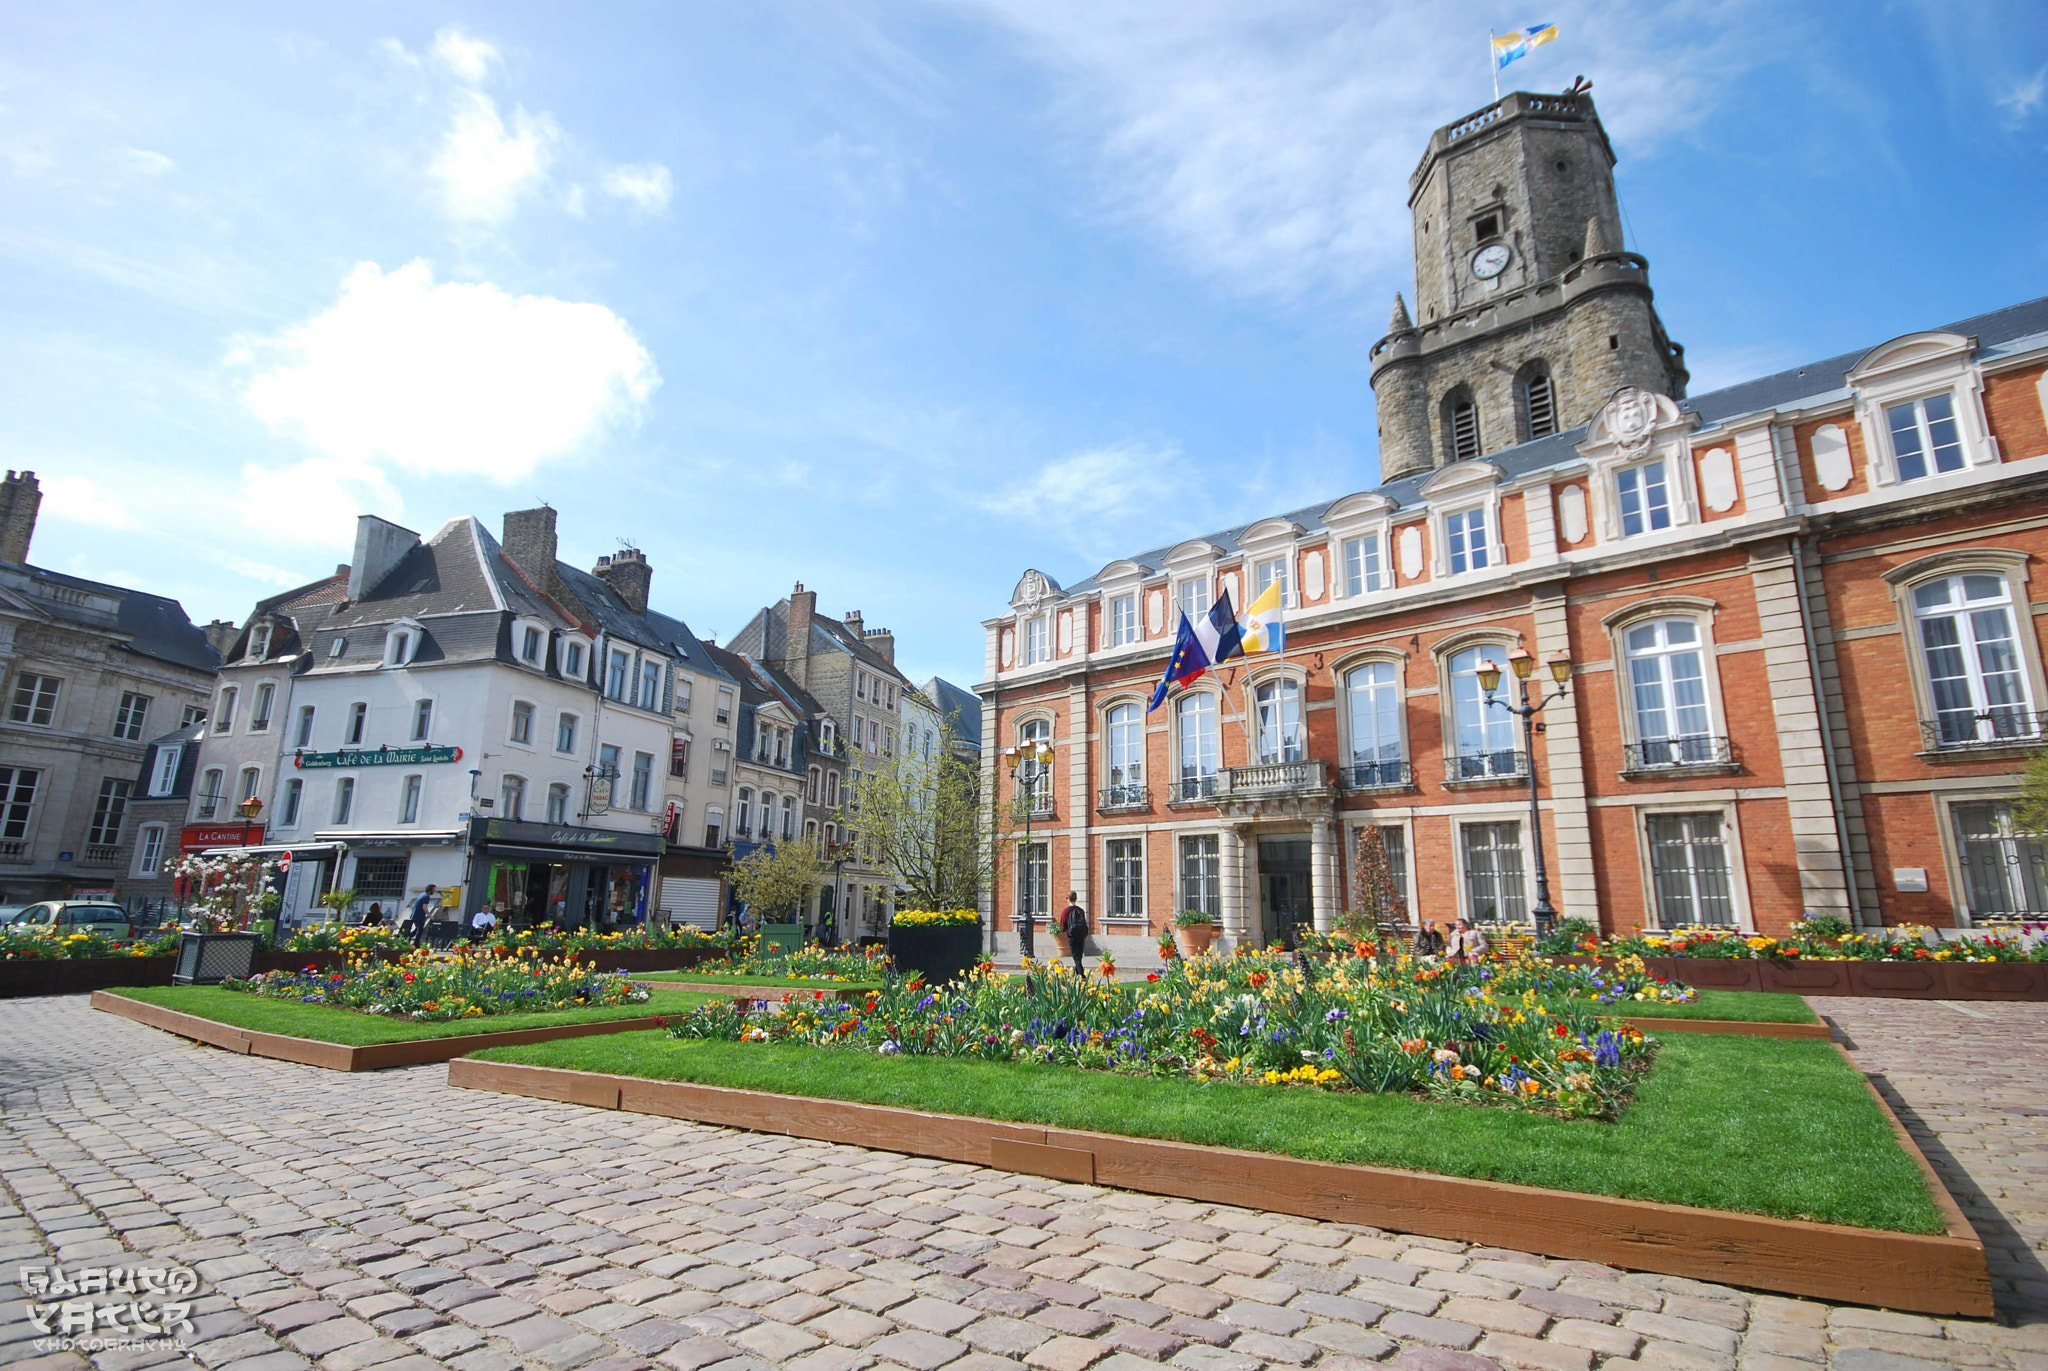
(1074, 923)
(429, 898)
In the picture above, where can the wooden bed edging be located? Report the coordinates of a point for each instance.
(1740, 1028)
(1903, 1271)
(341, 1056)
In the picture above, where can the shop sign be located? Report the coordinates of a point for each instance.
(194, 837)
(595, 840)
(377, 756)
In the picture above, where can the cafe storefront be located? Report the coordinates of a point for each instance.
(535, 874)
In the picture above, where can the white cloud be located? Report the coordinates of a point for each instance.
(80, 500)
(2025, 96)
(451, 378)
(148, 163)
(1095, 500)
(316, 499)
(1270, 147)
(467, 59)
(484, 168)
(648, 187)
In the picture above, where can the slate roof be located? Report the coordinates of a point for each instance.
(963, 707)
(2002, 332)
(153, 625)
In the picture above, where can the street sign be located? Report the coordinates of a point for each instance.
(284, 862)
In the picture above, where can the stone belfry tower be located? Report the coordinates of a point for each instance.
(1528, 314)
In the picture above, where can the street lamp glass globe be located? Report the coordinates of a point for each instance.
(1489, 677)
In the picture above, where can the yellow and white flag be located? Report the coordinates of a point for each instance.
(1264, 627)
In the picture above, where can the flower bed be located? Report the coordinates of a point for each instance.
(45, 945)
(811, 962)
(1903, 944)
(346, 938)
(437, 988)
(1527, 1035)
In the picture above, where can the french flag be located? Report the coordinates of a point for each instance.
(1210, 643)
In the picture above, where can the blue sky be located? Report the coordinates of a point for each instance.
(894, 299)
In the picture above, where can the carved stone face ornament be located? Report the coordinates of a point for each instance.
(1631, 417)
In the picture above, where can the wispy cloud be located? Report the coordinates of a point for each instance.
(2024, 97)
(1269, 148)
(647, 188)
(454, 378)
(82, 500)
(486, 168)
(1094, 501)
(466, 58)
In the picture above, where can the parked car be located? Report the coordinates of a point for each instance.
(76, 916)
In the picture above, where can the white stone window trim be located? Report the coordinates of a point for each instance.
(1731, 842)
(1914, 367)
(2009, 563)
(1109, 705)
(1457, 490)
(1469, 816)
(1994, 790)
(512, 738)
(1340, 676)
(1175, 732)
(1257, 678)
(402, 643)
(1617, 624)
(1271, 540)
(1442, 654)
(1365, 515)
(1143, 918)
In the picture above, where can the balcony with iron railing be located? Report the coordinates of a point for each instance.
(1193, 790)
(1123, 797)
(1377, 775)
(1274, 779)
(1960, 733)
(1486, 768)
(1700, 753)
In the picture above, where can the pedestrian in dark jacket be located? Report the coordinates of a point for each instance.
(1074, 923)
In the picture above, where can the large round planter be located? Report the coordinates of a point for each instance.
(1193, 939)
(938, 954)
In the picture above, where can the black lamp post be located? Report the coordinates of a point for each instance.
(1489, 681)
(1030, 763)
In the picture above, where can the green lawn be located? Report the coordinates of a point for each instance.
(730, 978)
(1768, 1126)
(1748, 1005)
(326, 1024)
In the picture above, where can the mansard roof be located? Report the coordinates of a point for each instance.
(2002, 332)
(147, 625)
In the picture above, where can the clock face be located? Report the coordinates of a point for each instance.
(1490, 261)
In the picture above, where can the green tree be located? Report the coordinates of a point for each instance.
(922, 816)
(2030, 811)
(775, 882)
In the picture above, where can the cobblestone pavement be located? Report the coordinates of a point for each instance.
(1970, 1082)
(387, 1221)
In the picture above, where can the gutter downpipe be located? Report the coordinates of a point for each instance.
(1820, 701)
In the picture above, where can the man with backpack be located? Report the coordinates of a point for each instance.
(1074, 923)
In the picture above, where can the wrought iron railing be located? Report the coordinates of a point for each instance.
(1124, 796)
(1997, 727)
(1508, 765)
(1194, 789)
(1377, 775)
(1666, 754)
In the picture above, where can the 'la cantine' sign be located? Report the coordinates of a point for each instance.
(377, 756)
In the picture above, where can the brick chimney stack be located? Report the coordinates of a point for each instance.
(20, 498)
(528, 539)
(627, 573)
(796, 647)
(882, 641)
(853, 622)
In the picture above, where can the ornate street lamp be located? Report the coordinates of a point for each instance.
(1489, 681)
(250, 809)
(1030, 763)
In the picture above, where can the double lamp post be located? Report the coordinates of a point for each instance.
(1524, 666)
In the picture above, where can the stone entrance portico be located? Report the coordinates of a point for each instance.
(1275, 800)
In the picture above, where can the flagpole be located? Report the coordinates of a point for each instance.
(1493, 60)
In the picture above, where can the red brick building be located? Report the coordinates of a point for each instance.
(1799, 611)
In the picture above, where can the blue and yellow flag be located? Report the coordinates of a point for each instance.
(1509, 46)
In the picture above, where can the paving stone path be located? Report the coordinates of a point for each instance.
(386, 1221)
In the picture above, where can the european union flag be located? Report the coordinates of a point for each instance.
(1198, 647)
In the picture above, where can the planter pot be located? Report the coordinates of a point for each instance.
(1194, 939)
(210, 958)
(937, 954)
(22, 976)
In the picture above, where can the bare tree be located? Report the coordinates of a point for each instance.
(776, 881)
(922, 818)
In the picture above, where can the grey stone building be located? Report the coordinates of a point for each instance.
(1528, 312)
(90, 672)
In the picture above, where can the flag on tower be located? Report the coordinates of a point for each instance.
(1200, 646)
(1507, 47)
(1265, 630)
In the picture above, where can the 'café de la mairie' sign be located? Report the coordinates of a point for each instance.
(377, 756)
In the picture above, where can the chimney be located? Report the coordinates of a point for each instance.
(222, 635)
(528, 539)
(853, 622)
(796, 646)
(882, 641)
(380, 546)
(20, 497)
(627, 573)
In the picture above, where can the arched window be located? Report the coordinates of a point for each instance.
(1483, 733)
(1126, 756)
(245, 789)
(1536, 401)
(1461, 425)
(1668, 692)
(1200, 747)
(1040, 793)
(1372, 696)
(1970, 650)
(1280, 736)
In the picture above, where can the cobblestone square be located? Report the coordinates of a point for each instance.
(386, 1221)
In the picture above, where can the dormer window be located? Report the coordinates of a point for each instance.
(259, 642)
(1123, 620)
(1924, 436)
(1465, 540)
(1037, 642)
(1643, 498)
(530, 640)
(1265, 573)
(399, 646)
(572, 660)
(336, 648)
(1362, 566)
(1192, 596)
